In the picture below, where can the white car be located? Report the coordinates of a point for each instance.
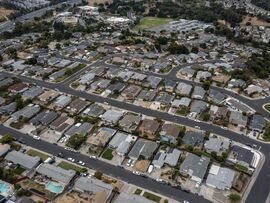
(129, 162)
(81, 163)
(133, 163)
(185, 201)
(36, 137)
(71, 159)
(197, 127)
(93, 157)
(136, 173)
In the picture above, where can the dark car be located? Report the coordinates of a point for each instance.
(61, 155)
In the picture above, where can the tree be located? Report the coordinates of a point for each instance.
(98, 175)
(75, 141)
(175, 48)
(206, 85)
(234, 197)
(6, 139)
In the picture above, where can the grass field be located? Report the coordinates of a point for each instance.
(151, 196)
(66, 165)
(150, 22)
(108, 154)
(32, 152)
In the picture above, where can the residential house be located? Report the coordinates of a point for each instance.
(149, 127)
(170, 157)
(48, 96)
(188, 72)
(101, 138)
(44, 118)
(147, 95)
(258, 123)
(77, 105)
(218, 145)
(79, 128)
(32, 92)
(203, 75)
(198, 106)
(216, 96)
(26, 113)
(130, 122)
(61, 124)
(17, 88)
(94, 110)
(195, 167)
(236, 83)
(183, 102)
(164, 98)
(131, 92)
(153, 81)
(184, 89)
(169, 133)
(253, 89)
(143, 148)
(238, 119)
(193, 138)
(198, 93)
(242, 156)
(62, 101)
(8, 109)
(112, 116)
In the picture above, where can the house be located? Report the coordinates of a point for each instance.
(169, 85)
(187, 72)
(149, 127)
(195, 167)
(242, 156)
(253, 89)
(101, 138)
(218, 112)
(94, 110)
(115, 88)
(198, 93)
(77, 105)
(215, 144)
(100, 84)
(238, 119)
(32, 92)
(164, 98)
(4, 148)
(184, 89)
(99, 190)
(44, 118)
(130, 122)
(170, 157)
(122, 142)
(216, 96)
(143, 148)
(48, 96)
(17, 88)
(220, 177)
(258, 123)
(112, 116)
(183, 102)
(26, 113)
(193, 138)
(22, 159)
(198, 106)
(236, 83)
(61, 124)
(62, 101)
(79, 128)
(6, 82)
(153, 81)
(8, 109)
(87, 78)
(147, 95)
(203, 75)
(131, 92)
(169, 133)
(58, 74)
(56, 173)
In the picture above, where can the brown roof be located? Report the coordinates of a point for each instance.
(58, 122)
(171, 129)
(17, 87)
(78, 104)
(150, 125)
(222, 111)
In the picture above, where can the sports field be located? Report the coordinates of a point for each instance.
(150, 22)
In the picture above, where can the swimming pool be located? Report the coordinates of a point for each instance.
(5, 188)
(55, 187)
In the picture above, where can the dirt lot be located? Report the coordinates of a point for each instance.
(5, 12)
(93, 2)
(142, 165)
(255, 21)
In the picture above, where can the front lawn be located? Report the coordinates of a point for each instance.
(108, 154)
(151, 196)
(67, 166)
(32, 152)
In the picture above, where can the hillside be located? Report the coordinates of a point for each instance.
(265, 4)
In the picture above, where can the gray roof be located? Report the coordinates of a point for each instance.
(147, 95)
(164, 98)
(242, 154)
(27, 112)
(32, 92)
(112, 116)
(56, 173)
(258, 123)
(153, 81)
(170, 157)
(216, 144)
(79, 128)
(143, 148)
(94, 110)
(130, 122)
(198, 106)
(184, 89)
(24, 160)
(63, 100)
(193, 138)
(221, 178)
(198, 92)
(119, 86)
(195, 166)
(4, 148)
(8, 109)
(184, 101)
(87, 78)
(44, 118)
(6, 81)
(117, 139)
(92, 185)
(238, 118)
(216, 96)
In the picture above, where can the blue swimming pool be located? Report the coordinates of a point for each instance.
(55, 187)
(5, 188)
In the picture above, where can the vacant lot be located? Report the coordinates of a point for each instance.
(150, 22)
(5, 12)
(254, 21)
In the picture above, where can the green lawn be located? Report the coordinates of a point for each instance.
(138, 191)
(32, 152)
(67, 166)
(267, 106)
(108, 154)
(19, 170)
(183, 111)
(151, 196)
(150, 22)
